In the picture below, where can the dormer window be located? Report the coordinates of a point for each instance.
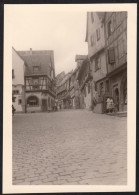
(36, 69)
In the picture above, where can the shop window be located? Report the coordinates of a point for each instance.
(111, 55)
(97, 64)
(32, 101)
(19, 101)
(98, 34)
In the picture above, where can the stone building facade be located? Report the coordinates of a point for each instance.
(95, 37)
(18, 90)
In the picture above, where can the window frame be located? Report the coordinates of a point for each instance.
(98, 34)
(19, 101)
(98, 64)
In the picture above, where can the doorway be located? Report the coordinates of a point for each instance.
(116, 98)
(44, 105)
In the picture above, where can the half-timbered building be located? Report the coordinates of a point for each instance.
(39, 80)
(116, 55)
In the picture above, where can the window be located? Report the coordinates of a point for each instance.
(110, 28)
(121, 48)
(13, 76)
(98, 34)
(92, 17)
(92, 40)
(32, 101)
(15, 92)
(19, 101)
(111, 55)
(13, 99)
(36, 84)
(97, 64)
(36, 69)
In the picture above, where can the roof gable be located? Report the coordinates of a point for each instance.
(42, 58)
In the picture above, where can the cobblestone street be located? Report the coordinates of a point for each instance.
(69, 147)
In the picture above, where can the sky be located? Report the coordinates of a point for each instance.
(41, 29)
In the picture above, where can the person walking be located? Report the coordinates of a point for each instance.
(108, 102)
(111, 105)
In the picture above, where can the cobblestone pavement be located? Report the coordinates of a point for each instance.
(69, 147)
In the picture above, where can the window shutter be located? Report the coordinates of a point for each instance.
(111, 55)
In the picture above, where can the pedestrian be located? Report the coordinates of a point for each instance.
(111, 105)
(108, 104)
(13, 109)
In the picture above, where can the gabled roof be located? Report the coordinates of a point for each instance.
(17, 54)
(42, 58)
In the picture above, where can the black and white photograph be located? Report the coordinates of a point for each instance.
(69, 84)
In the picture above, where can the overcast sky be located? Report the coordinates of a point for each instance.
(41, 29)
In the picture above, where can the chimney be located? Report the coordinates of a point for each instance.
(30, 51)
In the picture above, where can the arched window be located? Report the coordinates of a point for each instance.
(32, 101)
